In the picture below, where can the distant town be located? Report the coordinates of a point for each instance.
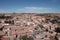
(29, 26)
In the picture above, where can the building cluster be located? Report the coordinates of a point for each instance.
(37, 27)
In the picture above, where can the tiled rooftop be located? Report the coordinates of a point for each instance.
(39, 27)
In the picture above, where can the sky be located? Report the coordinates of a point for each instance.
(30, 6)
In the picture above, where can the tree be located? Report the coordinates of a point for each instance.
(25, 37)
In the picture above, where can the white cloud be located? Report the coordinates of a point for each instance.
(5, 11)
(29, 10)
(34, 10)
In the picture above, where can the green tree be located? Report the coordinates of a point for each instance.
(25, 37)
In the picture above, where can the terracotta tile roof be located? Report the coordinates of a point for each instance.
(5, 38)
(1, 33)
